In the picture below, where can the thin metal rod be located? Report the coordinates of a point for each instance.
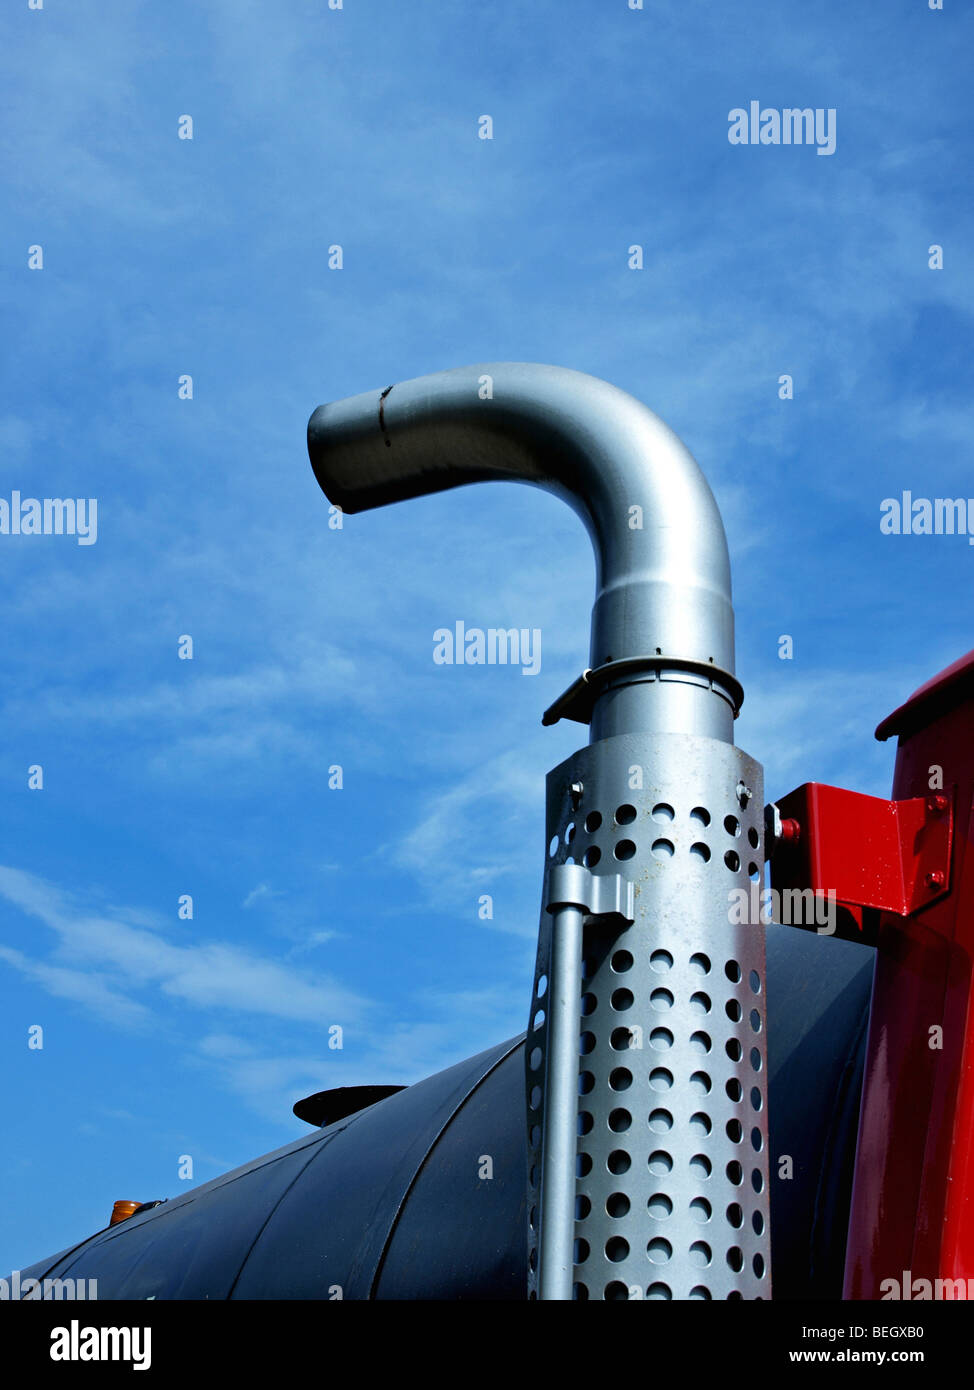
(557, 1215)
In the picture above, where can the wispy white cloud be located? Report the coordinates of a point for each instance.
(192, 699)
(80, 987)
(818, 727)
(479, 834)
(119, 960)
(124, 975)
(262, 891)
(447, 1026)
(311, 942)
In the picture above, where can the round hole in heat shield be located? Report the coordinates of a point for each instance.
(700, 1209)
(616, 1249)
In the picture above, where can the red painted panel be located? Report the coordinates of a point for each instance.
(913, 1197)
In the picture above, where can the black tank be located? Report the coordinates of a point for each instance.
(421, 1195)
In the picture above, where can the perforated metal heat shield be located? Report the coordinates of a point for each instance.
(671, 1188)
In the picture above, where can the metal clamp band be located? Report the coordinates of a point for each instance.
(578, 701)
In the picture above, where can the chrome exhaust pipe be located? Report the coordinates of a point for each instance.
(662, 571)
(646, 1058)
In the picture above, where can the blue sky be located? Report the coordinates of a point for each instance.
(312, 647)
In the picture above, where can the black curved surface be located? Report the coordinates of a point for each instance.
(463, 1232)
(325, 1107)
(287, 1225)
(819, 990)
(460, 1236)
(422, 1195)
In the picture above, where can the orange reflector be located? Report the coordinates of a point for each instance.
(121, 1211)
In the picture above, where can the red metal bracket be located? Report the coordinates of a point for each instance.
(863, 851)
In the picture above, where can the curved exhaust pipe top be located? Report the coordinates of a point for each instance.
(662, 644)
